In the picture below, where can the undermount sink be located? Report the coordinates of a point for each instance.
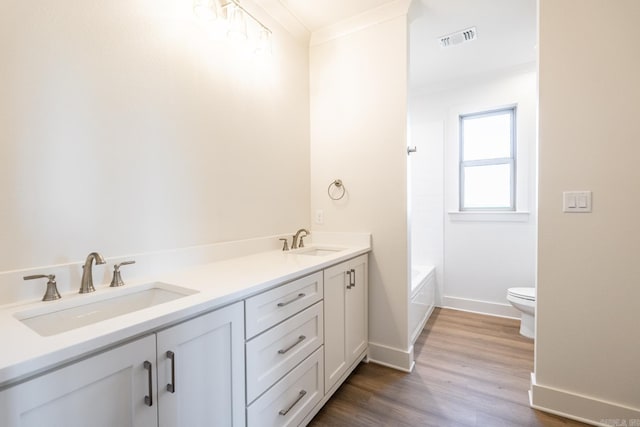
(319, 251)
(103, 305)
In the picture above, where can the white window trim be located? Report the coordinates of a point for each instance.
(489, 216)
(512, 161)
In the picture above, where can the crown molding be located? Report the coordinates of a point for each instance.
(361, 21)
(285, 18)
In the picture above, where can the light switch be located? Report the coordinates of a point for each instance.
(582, 201)
(576, 201)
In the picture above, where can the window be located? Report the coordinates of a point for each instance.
(488, 160)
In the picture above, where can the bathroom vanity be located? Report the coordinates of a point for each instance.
(262, 340)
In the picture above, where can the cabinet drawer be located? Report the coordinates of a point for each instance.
(271, 355)
(272, 307)
(292, 398)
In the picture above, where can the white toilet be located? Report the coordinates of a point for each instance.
(524, 299)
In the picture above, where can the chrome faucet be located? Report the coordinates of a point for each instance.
(86, 285)
(294, 243)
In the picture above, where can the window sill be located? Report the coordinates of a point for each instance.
(518, 216)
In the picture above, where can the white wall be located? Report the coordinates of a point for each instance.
(484, 254)
(426, 191)
(358, 134)
(588, 346)
(123, 129)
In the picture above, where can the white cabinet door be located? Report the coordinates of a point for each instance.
(356, 309)
(105, 390)
(205, 369)
(345, 320)
(335, 355)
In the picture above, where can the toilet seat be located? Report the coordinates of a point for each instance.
(528, 294)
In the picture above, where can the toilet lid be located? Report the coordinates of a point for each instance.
(524, 293)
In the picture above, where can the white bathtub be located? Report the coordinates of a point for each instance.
(419, 275)
(423, 297)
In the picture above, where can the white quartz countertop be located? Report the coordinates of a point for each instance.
(26, 353)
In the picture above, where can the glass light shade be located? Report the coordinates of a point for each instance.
(205, 10)
(263, 44)
(237, 24)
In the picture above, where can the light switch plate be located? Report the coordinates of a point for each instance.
(576, 201)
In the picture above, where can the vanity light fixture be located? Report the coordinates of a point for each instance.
(206, 10)
(263, 44)
(239, 23)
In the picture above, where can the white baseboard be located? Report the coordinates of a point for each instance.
(395, 358)
(482, 307)
(580, 408)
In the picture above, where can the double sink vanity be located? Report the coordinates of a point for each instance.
(262, 339)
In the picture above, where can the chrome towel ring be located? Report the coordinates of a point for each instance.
(336, 190)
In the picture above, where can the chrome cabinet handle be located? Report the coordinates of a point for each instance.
(349, 274)
(282, 304)
(352, 278)
(171, 388)
(148, 400)
(300, 396)
(300, 339)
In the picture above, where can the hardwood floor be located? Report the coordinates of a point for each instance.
(471, 370)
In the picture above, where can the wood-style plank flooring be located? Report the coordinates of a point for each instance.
(471, 370)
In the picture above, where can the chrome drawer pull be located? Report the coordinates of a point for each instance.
(282, 304)
(300, 339)
(148, 400)
(286, 411)
(171, 388)
(352, 278)
(349, 274)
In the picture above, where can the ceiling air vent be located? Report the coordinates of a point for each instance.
(458, 37)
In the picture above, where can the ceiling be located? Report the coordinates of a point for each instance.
(506, 31)
(317, 14)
